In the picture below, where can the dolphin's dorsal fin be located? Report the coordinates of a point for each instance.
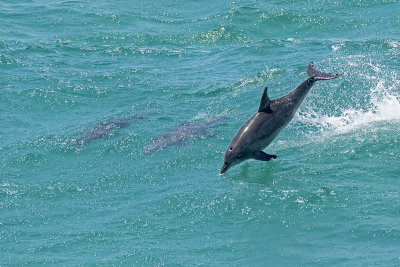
(265, 104)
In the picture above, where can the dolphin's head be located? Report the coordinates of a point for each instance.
(234, 155)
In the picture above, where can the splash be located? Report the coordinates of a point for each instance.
(383, 107)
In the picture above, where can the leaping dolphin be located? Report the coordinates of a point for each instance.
(272, 116)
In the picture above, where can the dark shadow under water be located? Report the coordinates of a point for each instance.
(182, 133)
(103, 129)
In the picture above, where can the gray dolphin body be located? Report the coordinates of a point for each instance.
(272, 116)
(102, 129)
(184, 131)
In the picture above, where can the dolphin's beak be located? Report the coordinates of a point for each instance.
(224, 168)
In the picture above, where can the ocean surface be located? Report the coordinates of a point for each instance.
(107, 156)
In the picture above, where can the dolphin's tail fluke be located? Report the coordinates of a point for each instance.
(319, 75)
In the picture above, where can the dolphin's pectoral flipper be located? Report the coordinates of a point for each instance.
(261, 155)
(319, 75)
(265, 104)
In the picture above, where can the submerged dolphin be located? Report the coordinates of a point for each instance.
(184, 131)
(272, 116)
(101, 129)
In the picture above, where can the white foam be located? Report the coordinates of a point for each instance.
(393, 44)
(336, 47)
(384, 105)
(293, 40)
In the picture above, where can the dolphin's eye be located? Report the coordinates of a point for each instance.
(230, 148)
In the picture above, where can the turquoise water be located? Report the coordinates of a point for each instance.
(331, 198)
